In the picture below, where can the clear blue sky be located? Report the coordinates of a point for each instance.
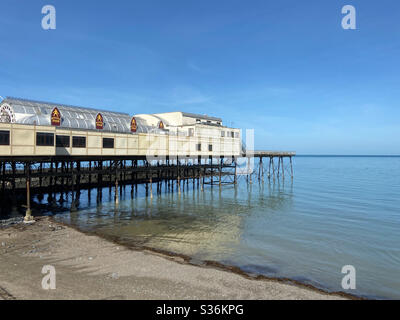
(285, 68)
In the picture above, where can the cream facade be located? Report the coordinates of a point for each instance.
(34, 128)
(32, 140)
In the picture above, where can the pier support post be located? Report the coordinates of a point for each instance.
(73, 205)
(3, 191)
(220, 171)
(203, 180)
(41, 173)
(269, 169)
(151, 185)
(116, 190)
(132, 179)
(291, 167)
(99, 195)
(78, 177)
(262, 169)
(28, 213)
(273, 168)
(100, 175)
(279, 166)
(90, 174)
(178, 182)
(212, 171)
(248, 171)
(51, 174)
(235, 176)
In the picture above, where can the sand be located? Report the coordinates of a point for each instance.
(90, 267)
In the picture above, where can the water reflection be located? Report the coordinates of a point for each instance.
(204, 224)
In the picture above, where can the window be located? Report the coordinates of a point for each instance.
(222, 133)
(232, 134)
(191, 132)
(210, 147)
(198, 147)
(62, 141)
(4, 137)
(79, 142)
(44, 139)
(108, 143)
(236, 134)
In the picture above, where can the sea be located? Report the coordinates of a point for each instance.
(337, 211)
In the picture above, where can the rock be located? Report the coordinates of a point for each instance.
(114, 275)
(11, 221)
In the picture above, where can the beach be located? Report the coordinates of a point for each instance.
(90, 267)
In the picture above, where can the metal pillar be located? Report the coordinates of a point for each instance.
(28, 213)
(291, 167)
(116, 190)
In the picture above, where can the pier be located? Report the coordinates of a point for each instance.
(28, 176)
(51, 148)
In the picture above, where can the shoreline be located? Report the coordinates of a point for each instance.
(184, 259)
(101, 262)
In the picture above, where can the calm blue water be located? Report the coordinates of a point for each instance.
(338, 211)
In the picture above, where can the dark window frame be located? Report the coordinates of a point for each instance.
(77, 142)
(210, 147)
(198, 147)
(4, 137)
(44, 139)
(61, 141)
(106, 145)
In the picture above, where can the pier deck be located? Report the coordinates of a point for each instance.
(267, 154)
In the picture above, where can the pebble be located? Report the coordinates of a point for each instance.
(114, 275)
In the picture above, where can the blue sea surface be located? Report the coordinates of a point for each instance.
(337, 211)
